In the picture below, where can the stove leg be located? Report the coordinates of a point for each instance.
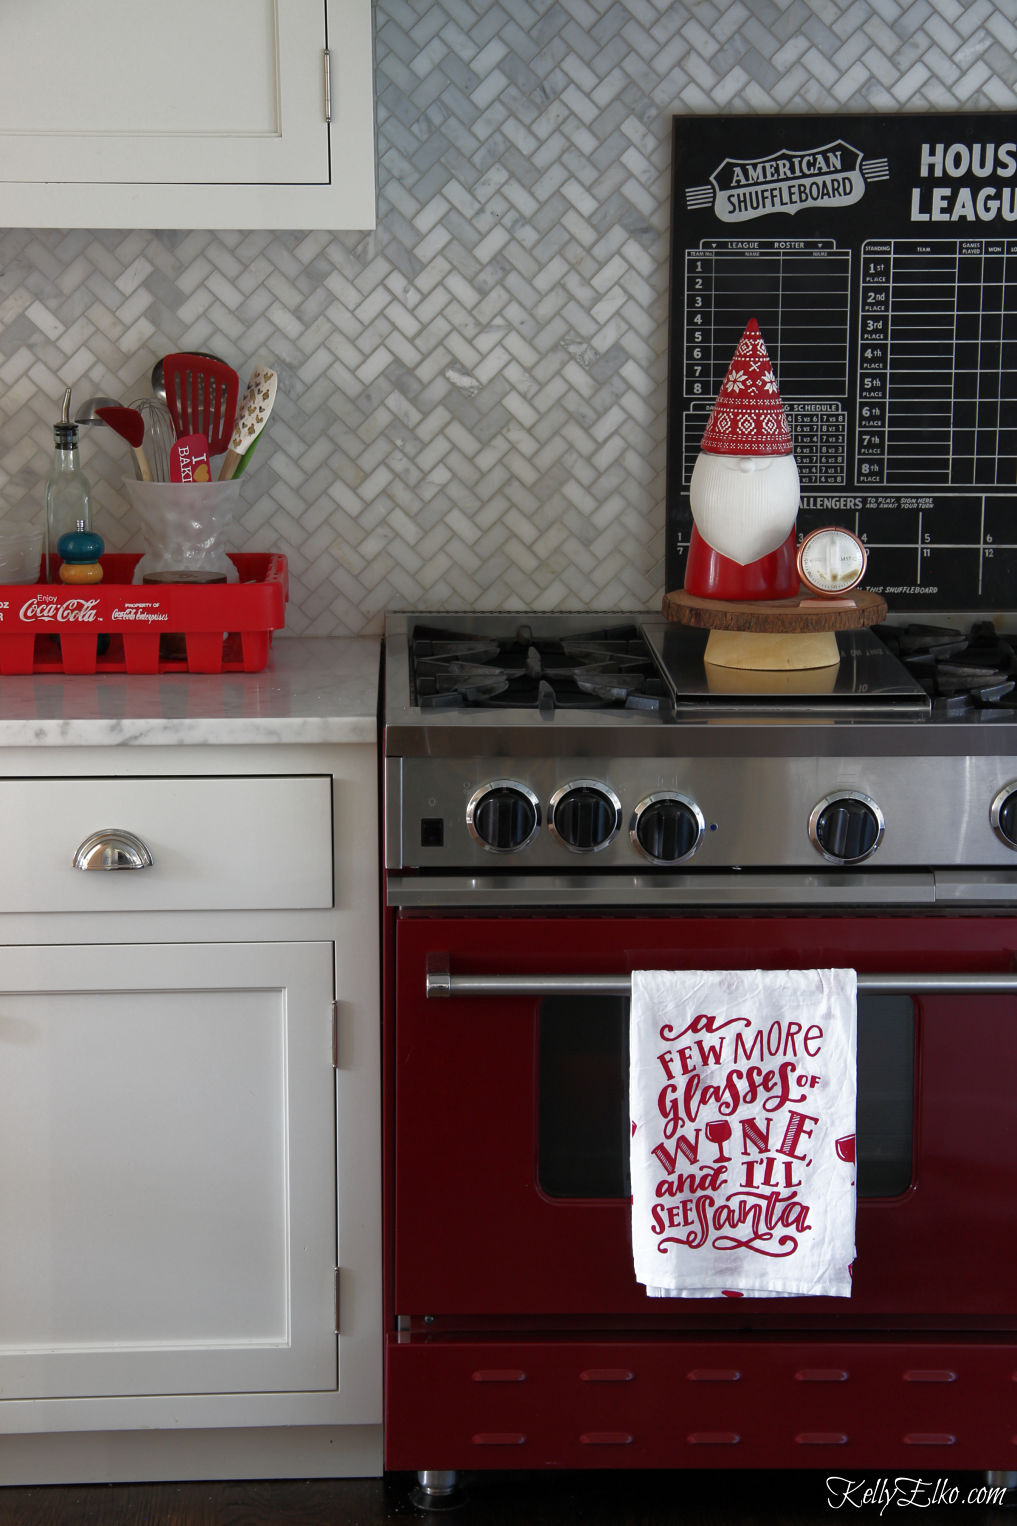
(436, 1490)
(1002, 1479)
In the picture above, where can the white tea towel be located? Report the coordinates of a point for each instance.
(742, 1096)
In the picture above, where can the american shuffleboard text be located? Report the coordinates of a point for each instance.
(891, 323)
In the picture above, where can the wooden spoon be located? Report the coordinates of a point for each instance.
(130, 426)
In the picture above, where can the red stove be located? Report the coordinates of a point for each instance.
(567, 799)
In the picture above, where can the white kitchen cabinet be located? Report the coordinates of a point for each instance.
(190, 1202)
(167, 1131)
(235, 114)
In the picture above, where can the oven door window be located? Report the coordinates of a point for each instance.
(583, 1129)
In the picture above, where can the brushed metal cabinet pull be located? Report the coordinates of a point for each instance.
(112, 848)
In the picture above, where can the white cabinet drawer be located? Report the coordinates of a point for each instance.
(216, 843)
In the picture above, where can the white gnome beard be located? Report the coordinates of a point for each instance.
(744, 506)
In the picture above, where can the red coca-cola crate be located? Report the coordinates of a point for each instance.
(216, 628)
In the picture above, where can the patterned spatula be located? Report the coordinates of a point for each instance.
(255, 407)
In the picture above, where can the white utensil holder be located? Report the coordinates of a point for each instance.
(184, 526)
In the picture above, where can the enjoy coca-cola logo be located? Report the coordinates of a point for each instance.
(47, 607)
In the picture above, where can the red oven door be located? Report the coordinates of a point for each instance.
(511, 1124)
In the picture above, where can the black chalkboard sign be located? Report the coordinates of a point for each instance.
(879, 254)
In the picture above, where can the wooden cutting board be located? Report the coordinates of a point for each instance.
(805, 614)
(777, 634)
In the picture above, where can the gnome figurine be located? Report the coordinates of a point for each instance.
(745, 488)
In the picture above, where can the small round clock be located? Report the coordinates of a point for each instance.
(831, 560)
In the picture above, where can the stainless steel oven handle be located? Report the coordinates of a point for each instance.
(441, 983)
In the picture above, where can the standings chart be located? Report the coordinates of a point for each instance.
(874, 254)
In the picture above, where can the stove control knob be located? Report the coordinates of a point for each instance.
(846, 827)
(1003, 815)
(503, 816)
(667, 828)
(584, 815)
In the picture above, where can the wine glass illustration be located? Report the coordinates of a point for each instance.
(717, 1132)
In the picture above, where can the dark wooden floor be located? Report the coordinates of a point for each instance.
(549, 1499)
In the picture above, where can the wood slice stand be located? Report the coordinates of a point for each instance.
(778, 634)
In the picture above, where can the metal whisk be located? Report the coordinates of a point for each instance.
(159, 435)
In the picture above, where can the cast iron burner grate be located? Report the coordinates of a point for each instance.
(598, 670)
(961, 672)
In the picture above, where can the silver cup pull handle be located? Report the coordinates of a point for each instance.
(112, 848)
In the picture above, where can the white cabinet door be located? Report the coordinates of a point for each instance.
(187, 114)
(167, 1159)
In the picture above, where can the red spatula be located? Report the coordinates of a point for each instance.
(130, 426)
(201, 395)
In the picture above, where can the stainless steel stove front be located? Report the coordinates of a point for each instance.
(621, 807)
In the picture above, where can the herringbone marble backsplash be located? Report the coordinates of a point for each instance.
(472, 398)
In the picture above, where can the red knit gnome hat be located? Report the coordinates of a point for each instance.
(748, 418)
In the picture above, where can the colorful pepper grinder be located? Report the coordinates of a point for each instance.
(80, 550)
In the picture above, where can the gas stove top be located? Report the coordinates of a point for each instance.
(563, 757)
(531, 667)
(511, 670)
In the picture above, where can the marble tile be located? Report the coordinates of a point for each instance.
(507, 310)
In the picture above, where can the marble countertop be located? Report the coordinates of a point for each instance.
(311, 691)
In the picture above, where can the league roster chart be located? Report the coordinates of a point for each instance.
(875, 255)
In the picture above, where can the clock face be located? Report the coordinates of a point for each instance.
(831, 560)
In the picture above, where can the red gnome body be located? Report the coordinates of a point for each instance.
(745, 488)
